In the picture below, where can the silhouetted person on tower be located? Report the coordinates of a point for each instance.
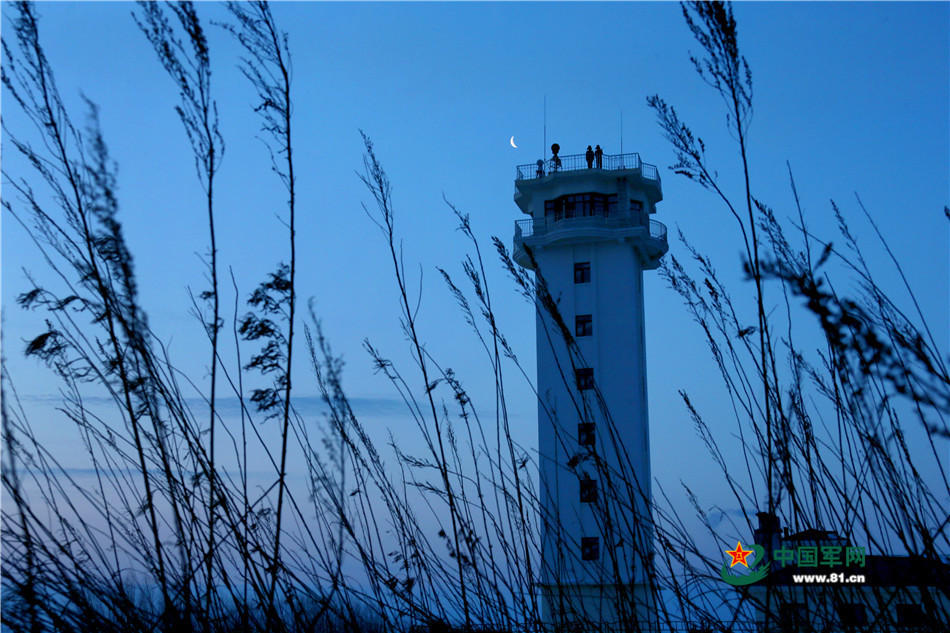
(555, 160)
(590, 157)
(599, 155)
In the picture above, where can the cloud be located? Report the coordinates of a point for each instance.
(306, 405)
(363, 406)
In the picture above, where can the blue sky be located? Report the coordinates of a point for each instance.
(854, 96)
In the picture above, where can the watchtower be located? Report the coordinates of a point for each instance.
(589, 236)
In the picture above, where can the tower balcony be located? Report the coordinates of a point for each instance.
(578, 162)
(648, 236)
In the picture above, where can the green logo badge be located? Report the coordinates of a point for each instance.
(758, 569)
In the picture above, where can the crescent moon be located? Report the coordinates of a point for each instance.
(512, 141)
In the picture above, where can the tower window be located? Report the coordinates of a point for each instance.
(583, 325)
(590, 548)
(585, 433)
(582, 272)
(588, 490)
(852, 614)
(910, 615)
(791, 617)
(585, 378)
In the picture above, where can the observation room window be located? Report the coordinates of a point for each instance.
(583, 325)
(581, 205)
(637, 213)
(582, 272)
(590, 548)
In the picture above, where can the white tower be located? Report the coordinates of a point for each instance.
(589, 238)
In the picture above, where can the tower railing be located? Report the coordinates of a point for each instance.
(537, 227)
(578, 162)
(658, 230)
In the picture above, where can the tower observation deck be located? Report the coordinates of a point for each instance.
(627, 193)
(589, 235)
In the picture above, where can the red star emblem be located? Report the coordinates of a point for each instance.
(739, 555)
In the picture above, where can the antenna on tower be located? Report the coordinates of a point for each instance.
(621, 133)
(544, 145)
